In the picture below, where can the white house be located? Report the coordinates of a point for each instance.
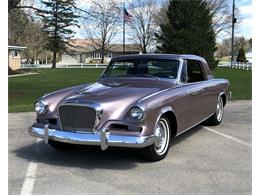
(81, 51)
(15, 55)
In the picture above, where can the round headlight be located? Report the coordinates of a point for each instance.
(136, 113)
(40, 107)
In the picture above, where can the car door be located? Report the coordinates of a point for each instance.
(196, 91)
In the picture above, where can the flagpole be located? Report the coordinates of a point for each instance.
(233, 27)
(124, 29)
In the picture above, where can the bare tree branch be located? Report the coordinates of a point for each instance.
(143, 25)
(102, 26)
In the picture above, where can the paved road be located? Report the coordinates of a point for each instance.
(214, 160)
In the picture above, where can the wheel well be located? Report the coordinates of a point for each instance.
(223, 96)
(173, 122)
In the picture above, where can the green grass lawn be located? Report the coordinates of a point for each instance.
(240, 82)
(24, 90)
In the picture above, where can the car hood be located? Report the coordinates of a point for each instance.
(120, 90)
(113, 95)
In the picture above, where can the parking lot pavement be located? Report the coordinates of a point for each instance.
(204, 160)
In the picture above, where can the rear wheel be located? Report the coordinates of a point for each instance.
(217, 117)
(160, 148)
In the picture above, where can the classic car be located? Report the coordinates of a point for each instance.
(140, 101)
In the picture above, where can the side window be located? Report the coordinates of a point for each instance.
(194, 71)
(184, 72)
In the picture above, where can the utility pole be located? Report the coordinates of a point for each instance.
(234, 20)
(124, 29)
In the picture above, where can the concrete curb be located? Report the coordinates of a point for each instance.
(18, 75)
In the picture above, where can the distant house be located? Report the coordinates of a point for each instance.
(249, 56)
(15, 55)
(82, 51)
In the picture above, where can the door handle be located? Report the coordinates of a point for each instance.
(197, 92)
(194, 93)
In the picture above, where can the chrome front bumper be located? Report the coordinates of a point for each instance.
(102, 138)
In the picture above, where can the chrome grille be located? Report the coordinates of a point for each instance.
(77, 117)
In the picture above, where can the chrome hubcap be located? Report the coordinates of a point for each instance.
(162, 133)
(219, 111)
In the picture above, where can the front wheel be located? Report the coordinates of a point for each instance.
(217, 117)
(160, 148)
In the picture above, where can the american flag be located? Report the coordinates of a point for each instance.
(127, 17)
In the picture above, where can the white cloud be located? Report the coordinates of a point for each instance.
(247, 22)
(245, 10)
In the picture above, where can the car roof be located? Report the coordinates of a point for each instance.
(159, 56)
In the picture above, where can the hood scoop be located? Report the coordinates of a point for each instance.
(94, 88)
(99, 87)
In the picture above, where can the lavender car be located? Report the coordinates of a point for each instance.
(140, 101)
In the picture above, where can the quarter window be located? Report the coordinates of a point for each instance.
(194, 71)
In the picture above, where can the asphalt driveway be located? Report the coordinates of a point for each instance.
(204, 160)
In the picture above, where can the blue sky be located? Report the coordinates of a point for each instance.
(242, 28)
(244, 25)
(245, 8)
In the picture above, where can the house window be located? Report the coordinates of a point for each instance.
(96, 55)
(14, 54)
(109, 55)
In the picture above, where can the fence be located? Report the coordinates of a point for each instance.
(235, 65)
(23, 66)
(243, 66)
(81, 65)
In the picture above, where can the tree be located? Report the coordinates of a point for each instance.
(241, 57)
(224, 48)
(241, 42)
(143, 24)
(13, 4)
(25, 30)
(222, 18)
(101, 26)
(189, 30)
(35, 41)
(17, 25)
(27, 5)
(58, 17)
(220, 10)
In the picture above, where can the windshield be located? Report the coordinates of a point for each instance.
(163, 68)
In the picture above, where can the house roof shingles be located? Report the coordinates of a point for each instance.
(85, 46)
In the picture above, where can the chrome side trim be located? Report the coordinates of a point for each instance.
(153, 94)
(102, 138)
